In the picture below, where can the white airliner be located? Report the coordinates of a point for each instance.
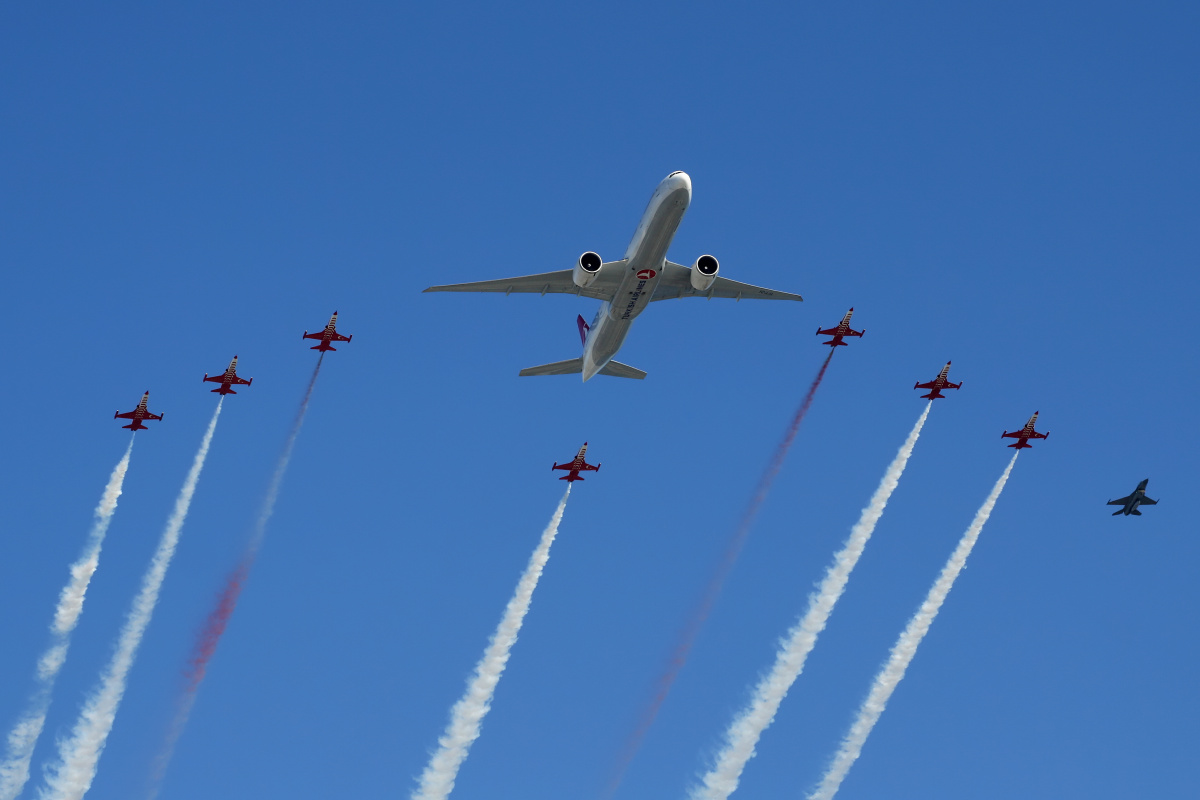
(629, 285)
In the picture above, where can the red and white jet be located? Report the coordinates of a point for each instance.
(328, 335)
(841, 329)
(1025, 434)
(938, 383)
(138, 415)
(576, 466)
(227, 379)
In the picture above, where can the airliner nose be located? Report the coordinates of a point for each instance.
(679, 180)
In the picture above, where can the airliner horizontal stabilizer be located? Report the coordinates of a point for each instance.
(574, 366)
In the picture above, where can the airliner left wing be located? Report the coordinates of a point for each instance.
(676, 282)
(604, 287)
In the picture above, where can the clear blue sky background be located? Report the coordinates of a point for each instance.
(1009, 185)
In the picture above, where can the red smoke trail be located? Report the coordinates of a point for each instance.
(209, 637)
(688, 637)
(214, 626)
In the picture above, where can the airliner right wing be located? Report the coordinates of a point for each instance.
(677, 282)
(604, 287)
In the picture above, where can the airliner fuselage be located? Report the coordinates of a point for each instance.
(645, 258)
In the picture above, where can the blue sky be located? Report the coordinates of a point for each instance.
(1011, 186)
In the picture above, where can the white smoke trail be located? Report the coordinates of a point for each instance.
(746, 729)
(71, 777)
(14, 770)
(437, 780)
(905, 648)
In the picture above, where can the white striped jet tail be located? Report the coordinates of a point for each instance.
(574, 366)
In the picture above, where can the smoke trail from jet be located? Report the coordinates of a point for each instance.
(14, 770)
(704, 608)
(210, 634)
(203, 650)
(71, 776)
(466, 717)
(905, 648)
(746, 729)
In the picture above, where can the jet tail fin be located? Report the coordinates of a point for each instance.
(1118, 513)
(1136, 513)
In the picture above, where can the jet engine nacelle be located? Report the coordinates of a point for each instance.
(586, 269)
(704, 272)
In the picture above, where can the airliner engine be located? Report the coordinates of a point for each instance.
(586, 270)
(704, 272)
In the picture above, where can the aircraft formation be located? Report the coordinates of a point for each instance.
(229, 378)
(625, 289)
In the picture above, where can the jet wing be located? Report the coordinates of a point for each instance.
(337, 337)
(604, 287)
(236, 380)
(588, 467)
(1120, 502)
(153, 416)
(126, 415)
(676, 282)
(1146, 501)
(930, 385)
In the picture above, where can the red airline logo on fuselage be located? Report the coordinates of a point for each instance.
(646, 274)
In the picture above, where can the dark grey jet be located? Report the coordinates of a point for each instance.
(1131, 503)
